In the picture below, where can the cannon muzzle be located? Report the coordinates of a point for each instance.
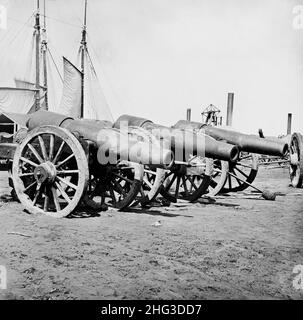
(247, 143)
(183, 142)
(112, 144)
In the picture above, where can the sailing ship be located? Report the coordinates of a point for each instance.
(82, 95)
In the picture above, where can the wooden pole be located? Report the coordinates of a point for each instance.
(37, 33)
(188, 114)
(44, 51)
(289, 120)
(230, 109)
(83, 52)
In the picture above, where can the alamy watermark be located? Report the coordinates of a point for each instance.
(166, 146)
(3, 278)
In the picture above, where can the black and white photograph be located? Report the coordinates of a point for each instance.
(151, 150)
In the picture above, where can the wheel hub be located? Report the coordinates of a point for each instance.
(45, 172)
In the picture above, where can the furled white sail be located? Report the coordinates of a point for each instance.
(24, 84)
(16, 100)
(71, 97)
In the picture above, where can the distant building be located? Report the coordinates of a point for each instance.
(7, 125)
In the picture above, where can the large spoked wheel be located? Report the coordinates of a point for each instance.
(50, 171)
(114, 185)
(246, 168)
(153, 180)
(188, 182)
(218, 178)
(296, 160)
(153, 177)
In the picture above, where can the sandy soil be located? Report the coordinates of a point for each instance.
(229, 249)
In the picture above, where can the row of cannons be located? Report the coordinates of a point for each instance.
(58, 163)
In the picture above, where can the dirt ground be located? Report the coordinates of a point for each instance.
(228, 249)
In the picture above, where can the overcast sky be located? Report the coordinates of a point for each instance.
(155, 58)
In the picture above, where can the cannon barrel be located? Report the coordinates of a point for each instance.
(111, 143)
(183, 142)
(247, 143)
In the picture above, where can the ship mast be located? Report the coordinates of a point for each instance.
(44, 52)
(83, 50)
(38, 39)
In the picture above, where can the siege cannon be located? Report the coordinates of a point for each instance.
(238, 175)
(246, 142)
(61, 162)
(188, 179)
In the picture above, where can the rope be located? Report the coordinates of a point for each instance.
(54, 64)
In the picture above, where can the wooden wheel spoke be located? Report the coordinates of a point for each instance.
(51, 147)
(229, 181)
(171, 182)
(65, 160)
(244, 174)
(29, 161)
(191, 182)
(177, 187)
(212, 184)
(56, 200)
(245, 157)
(185, 185)
(28, 174)
(58, 153)
(244, 165)
(30, 186)
(147, 183)
(112, 194)
(63, 193)
(35, 153)
(121, 190)
(168, 174)
(122, 177)
(46, 202)
(36, 197)
(68, 183)
(67, 172)
(216, 174)
(150, 172)
(235, 177)
(43, 149)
